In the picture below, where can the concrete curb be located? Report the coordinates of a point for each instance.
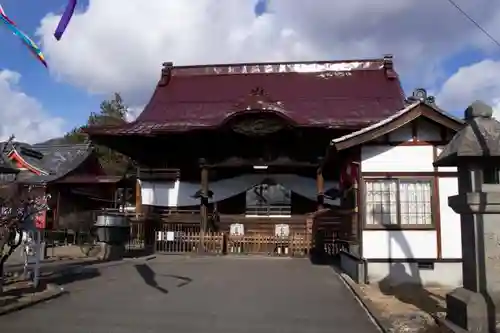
(383, 323)
(51, 292)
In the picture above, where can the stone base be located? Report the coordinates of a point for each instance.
(466, 311)
(111, 252)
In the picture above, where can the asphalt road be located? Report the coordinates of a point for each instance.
(200, 295)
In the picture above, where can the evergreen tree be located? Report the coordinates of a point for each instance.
(112, 112)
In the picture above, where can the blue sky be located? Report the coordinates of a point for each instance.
(58, 98)
(74, 104)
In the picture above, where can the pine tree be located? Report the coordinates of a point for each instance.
(112, 112)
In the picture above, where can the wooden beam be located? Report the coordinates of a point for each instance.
(283, 161)
(437, 207)
(320, 186)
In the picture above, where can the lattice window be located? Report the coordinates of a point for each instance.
(398, 202)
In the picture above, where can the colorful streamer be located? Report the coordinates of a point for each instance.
(24, 38)
(65, 18)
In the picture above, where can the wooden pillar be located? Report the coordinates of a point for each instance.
(355, 217)
(203, 203)
(55, 225)
(138, 198)
(320, 185)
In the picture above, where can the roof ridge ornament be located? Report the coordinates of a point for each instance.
(166, 74)
(388, 65)
(420, 95)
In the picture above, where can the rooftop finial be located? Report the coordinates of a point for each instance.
(388, 61)
(389, 67)
(420, 94)
(478, 109)
(166, 74)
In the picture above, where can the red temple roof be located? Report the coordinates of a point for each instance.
(335, 94)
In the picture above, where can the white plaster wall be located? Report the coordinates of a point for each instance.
(397, 158)
(447, 274)
(180, 194)
(451, 241)
(399, 244)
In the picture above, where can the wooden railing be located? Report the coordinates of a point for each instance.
(294, 245)
(189, 242)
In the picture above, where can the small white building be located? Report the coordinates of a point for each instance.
(408, 232)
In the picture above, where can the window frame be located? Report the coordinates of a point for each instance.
(398, 225)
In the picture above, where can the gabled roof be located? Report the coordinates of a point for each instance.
(397, 120)
(331, 94)
(54, 162)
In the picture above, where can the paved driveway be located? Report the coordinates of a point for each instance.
(175, 294)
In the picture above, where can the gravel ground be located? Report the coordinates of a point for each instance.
(206, 295)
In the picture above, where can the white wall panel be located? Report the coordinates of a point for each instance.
(399, 244)
(397, 158)
(451, 239)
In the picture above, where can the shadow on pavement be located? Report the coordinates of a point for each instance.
(139, 253)
(149, 277)
(185, 280)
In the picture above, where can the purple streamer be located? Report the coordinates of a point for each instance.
(66, 17)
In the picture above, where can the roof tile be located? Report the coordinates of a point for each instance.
(328, 94)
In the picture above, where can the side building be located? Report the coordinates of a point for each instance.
(70, 173)
(408, 232)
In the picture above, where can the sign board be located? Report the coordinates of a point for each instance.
(237, 229)
(282, 230)
(170, 236)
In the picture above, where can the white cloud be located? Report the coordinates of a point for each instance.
(478, 81)
(23, 115)
(133, 113)
(119, 45)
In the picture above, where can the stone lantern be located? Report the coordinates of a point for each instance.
(475, 151)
